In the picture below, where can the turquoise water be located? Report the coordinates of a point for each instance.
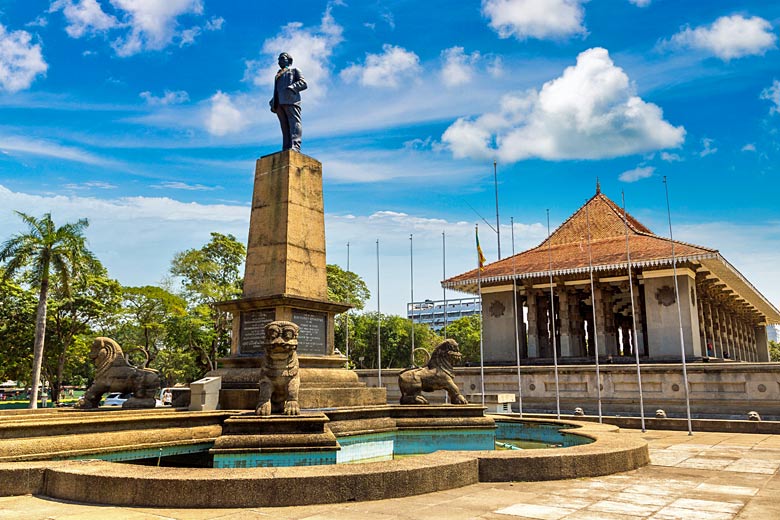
(389, 445)
(372, 447)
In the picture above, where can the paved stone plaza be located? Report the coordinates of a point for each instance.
(707, 476)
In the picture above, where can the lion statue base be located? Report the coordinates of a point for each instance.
(436, 375)
(115, 374)
(279, 381)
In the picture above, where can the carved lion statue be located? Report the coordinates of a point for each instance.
(436, 375)
(115, 374)
(279, 381)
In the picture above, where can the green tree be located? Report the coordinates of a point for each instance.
(347, 287)
(146, 310)
(17, 329)
(92, 297)
(396, 340)
(209, 275)
(45, 250)
(774, 351)
(466, 332)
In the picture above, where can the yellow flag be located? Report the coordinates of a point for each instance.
(480, 254)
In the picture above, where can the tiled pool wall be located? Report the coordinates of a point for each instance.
(372, 447)
(548, 433)
(274, 459)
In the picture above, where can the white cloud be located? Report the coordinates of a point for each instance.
(541, 19)
(772, 94)
(496, 67)
(168, 98)
(750, 147)
(153, 23)
(641, 3)
(728, 37)
(177, 185)
(670, 157)
(387, 70)
(640, 172)
(21, 61)
(311, 50)
(215, 23)
(144, 24)
(223, 116)
(590, 112)
(13, 145)
(102, 185)
(707, 148)
(84, 17)
(459, 67)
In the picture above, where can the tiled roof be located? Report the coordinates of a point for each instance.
(568, 246)
(567, 253)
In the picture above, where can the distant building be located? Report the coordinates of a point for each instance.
(432, 313)
(690, 294)
(773, 333)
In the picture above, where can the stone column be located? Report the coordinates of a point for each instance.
(533, 324)
(600, 334)
(639, 341)
(567, 341)
(724, 339)
(610, 327)
(762, 343)
(577, 324)
(702, 327)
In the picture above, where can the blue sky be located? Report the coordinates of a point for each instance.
(146, 117)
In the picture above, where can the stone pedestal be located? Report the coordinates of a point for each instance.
(286, 279)
(249, 441)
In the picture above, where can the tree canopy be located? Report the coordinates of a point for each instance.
(42, 251)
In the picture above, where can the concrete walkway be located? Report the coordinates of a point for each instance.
(707, 476)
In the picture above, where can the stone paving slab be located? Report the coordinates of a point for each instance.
(712, 476)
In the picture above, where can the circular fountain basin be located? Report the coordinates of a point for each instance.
(98, 481)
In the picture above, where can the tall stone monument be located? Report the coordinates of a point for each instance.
(286, 280)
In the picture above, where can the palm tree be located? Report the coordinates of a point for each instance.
(45, 250)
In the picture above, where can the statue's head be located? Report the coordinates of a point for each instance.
(285, 60)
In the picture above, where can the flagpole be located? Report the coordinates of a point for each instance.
(411, 285)
(479, 290)
(552, 321)
(498, 222)
(346, 314)
(378, 319)
(444, 277)
(593, 306)
(517, 331)
(679, 312)
(633, 316)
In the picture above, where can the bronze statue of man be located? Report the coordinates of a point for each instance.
(286, 103)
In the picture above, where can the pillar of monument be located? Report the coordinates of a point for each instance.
(286, 279)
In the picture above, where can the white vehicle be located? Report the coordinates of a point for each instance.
(116, 399)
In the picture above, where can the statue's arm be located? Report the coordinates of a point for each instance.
(300, 82)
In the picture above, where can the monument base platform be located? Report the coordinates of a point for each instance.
(324, 384)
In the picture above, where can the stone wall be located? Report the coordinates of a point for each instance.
(717, 390)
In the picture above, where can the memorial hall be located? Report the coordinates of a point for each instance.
(721, 315)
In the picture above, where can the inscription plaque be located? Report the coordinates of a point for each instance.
(313, 335)
(253, 324)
